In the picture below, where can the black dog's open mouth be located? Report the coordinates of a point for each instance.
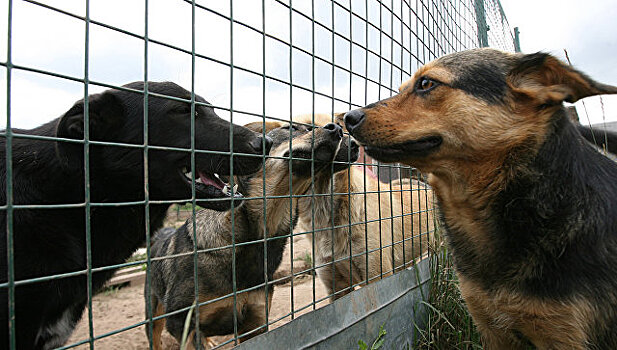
(410, 149)
(210, 185)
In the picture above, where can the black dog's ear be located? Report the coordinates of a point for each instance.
(258, 127)
(545, 79)
(104, 115)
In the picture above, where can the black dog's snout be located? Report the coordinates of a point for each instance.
(258, 143)
(353, 119)
(334, 129)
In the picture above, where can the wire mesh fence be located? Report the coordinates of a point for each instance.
(221, 215)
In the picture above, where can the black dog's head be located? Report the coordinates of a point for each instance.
(117, 116)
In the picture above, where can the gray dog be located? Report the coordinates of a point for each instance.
(173, 279)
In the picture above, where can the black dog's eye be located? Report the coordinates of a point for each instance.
(425, 84)
(185, 108)
(182, 109)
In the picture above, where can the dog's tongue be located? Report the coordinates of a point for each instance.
(212, 181)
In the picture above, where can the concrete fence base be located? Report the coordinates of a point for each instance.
(394, 302)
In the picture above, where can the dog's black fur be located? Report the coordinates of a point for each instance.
(53, 241)
(548, 213)
(599, 137)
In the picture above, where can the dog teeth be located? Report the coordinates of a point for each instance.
(217, 176)
(189, 175)
(199, 180)
(225, 190)
(235, 189)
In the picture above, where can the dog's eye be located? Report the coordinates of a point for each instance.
(425, 84)
(182, 109)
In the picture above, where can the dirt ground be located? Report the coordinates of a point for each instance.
(117, 309)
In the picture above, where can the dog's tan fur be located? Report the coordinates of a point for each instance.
(367, 224)
(542, 321)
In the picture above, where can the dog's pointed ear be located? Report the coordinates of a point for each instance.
(548, 81)
(104, 115)
(258, 127)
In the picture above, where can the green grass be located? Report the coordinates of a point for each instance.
(112, 290)
(137, 257)
(187, 207)
(377, 344)
(449, 325)
(187, 325)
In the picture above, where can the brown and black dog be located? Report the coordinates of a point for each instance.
(529, 207)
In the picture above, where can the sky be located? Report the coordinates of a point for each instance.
(586, 29)
(56, 44)
(46, 40)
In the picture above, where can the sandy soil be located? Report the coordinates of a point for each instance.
(118, 309)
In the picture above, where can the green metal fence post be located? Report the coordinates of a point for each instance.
(517, 40)
(9, 184)
(87, 176)
(481, 23)
(149, 234)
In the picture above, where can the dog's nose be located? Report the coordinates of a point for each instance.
(353, 119)
(258, 143)
(334, 129)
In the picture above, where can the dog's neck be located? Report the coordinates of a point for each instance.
(537, 208)
(322, 210)
(35, 165)
(325, 183)
(281, 213)
(38, 165)
(467, 189)
(39, 178)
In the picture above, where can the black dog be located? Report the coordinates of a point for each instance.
(53, 241)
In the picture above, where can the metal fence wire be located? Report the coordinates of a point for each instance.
(266, 61)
